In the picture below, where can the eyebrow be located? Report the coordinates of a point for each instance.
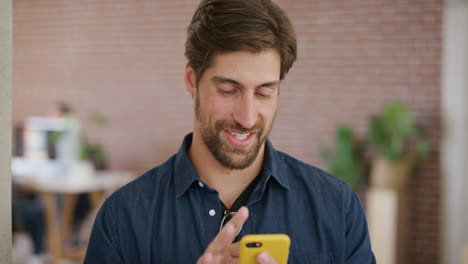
(220, 79)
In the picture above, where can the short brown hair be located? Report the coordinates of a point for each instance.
(239, 25)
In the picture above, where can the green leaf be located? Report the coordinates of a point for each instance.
(344, 162)
(394, 132)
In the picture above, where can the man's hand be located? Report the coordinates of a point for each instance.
(265, 258)
(221, 249)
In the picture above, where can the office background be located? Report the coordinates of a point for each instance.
(124, 60)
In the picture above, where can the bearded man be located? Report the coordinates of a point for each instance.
(227, 180)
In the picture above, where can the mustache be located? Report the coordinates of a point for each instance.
(222, 124)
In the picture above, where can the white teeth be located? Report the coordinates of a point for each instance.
(240, 136)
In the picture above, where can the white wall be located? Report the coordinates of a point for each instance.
(454, 148)
(5, 129)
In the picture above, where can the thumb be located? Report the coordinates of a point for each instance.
(265, 258)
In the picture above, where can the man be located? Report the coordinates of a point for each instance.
(238, 52)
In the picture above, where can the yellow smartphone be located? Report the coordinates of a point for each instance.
(277, 245)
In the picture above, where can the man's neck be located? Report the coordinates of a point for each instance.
(229, 183)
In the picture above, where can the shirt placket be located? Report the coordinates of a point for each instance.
(210, 211)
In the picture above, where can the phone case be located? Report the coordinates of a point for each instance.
(277, 245)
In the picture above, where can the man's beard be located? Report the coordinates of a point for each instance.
(223, 152)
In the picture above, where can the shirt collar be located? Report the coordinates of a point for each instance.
(185, 173)
(273, 166)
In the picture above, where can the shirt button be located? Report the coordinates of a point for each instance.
(200, 184)
(212, 212)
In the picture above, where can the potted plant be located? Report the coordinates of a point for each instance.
(92, 151)
(345, 161)
(398, 142)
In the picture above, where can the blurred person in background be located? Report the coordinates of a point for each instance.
(227, 180)
(68, 147)
(28, 216)
(28, 209)
(68, 141)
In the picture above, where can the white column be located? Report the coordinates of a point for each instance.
(382, 216)
(5, 129)
(454, 143)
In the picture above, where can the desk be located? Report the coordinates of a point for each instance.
(59, 225)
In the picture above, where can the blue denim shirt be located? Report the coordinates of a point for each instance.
(164, 216)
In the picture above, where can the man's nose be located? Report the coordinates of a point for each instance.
(245, 111)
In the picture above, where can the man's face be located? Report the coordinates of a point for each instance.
(235, 105)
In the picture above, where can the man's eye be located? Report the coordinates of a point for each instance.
(226, 92)
(264, 93)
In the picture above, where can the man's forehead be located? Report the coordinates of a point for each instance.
(241, 66)
(223, 80)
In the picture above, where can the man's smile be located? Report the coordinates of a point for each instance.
(240, 140)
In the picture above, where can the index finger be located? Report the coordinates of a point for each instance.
(234, 250)
(224, 237)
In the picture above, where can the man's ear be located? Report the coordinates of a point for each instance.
(190, 80)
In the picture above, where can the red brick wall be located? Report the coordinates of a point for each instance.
(124, 59)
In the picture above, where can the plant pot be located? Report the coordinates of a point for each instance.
(391, 174)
